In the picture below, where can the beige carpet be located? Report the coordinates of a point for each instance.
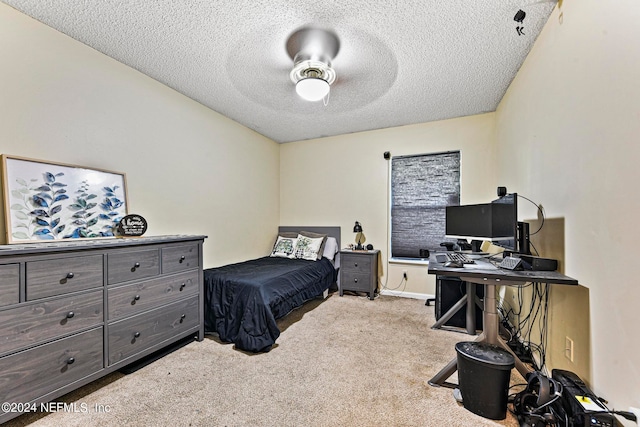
(344, 361)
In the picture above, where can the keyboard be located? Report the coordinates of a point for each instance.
(454, 256)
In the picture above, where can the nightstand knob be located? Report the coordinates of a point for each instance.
(182, 318)
(70, 275)
(355, 280)
(182, 286)
(137, 335)
(182, 258)
(136, 265)
(70, 361)
(355, 264)
(70, 314)
(136, 298)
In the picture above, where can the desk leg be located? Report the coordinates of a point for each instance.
(471, 308)
(470, 300)
(490, 317)
(453, 310)
(440, 379)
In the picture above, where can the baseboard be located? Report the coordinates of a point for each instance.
(403, 294)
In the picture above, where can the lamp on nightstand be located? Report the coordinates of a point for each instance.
(360, 239)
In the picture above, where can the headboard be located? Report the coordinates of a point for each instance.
(331, 231)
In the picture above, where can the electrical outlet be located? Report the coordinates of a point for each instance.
(404, 274)
(568, 348)
(636, 412)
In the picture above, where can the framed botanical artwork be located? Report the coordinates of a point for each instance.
(53, 201)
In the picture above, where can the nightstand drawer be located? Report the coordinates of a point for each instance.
(9, 284)
(33, 373)
(356, 264)
(37, 322)
(135, 298)
(63, 275)
(180, 258)
(356, 281)
(135, 334)
(125, 266)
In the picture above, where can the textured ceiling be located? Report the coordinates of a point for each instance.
(399, 63)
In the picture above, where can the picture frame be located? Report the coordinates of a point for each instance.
(47, 201)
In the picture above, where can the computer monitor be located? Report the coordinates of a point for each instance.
(507, 218)
(496, 221)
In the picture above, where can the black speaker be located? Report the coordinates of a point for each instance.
(449, 290)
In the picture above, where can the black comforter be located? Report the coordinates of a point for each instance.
(244, 300)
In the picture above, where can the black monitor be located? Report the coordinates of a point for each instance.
(508, 219)
(496, 221)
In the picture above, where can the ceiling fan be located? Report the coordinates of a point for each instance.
(312, 50)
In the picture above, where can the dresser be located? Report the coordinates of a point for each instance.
(72, 312)
(359, 271)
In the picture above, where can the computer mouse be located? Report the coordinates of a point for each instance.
(454, 264)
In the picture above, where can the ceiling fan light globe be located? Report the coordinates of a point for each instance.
(312, 88)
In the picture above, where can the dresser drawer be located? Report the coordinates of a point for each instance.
(36, 322)
(9, 284)
(133, 265)
(62, 275)
(132, 335)
(33, 373)
(135, 298)
(180, 258)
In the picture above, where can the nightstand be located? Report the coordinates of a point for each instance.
(359, 271)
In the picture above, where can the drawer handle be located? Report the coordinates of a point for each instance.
(182, 318)
(136, 265)
(182, 286)
(70, 314)
(70, 361)
(70, 275)
(355, 280)
(136, 335)
(355, 264)
(182, 258)
(136, 298)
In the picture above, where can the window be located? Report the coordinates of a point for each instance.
(421, 188)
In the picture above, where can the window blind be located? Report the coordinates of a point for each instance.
(421, 188)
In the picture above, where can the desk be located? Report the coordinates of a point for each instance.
(486, 274)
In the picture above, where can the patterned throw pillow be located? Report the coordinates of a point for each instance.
(308, 248)
(285, 247)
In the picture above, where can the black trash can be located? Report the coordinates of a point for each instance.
(484, 371)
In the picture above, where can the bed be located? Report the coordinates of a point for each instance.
(244, 300)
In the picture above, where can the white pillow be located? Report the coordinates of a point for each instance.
(308, 247)
(285, 247)
(330, 248)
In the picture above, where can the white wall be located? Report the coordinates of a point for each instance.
(343, 179)
(567, 134)
(189, 170)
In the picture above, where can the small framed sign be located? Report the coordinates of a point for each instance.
(132, 225)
